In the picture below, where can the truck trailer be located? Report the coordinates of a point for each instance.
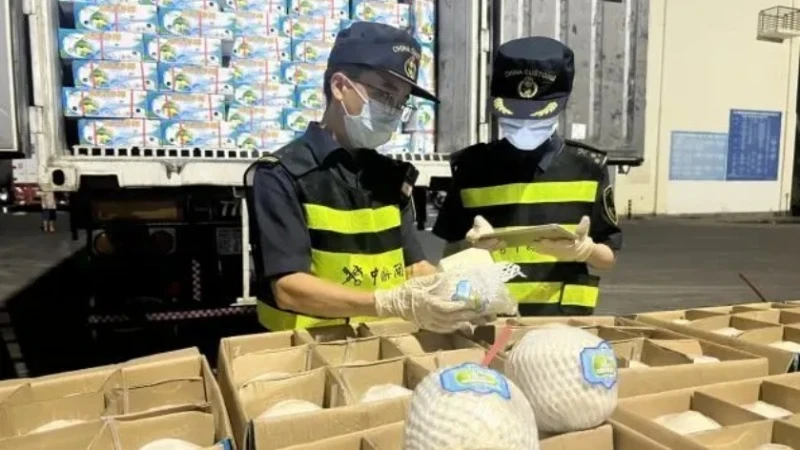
(163, 224)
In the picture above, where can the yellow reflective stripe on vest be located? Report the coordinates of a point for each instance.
(360, 271)
(526, 193)
(351, 222)
(278, 320)
(553, 293)
(525, 254)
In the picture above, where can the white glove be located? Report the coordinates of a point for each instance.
(579, 249)
(413, 301)
(480, 228)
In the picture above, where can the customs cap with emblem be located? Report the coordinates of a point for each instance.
(381, 47)
(532, 78)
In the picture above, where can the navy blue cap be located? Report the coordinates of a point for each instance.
(380, 47)
(532, 78)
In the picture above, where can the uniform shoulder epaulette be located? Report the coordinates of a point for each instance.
(297, 158)
(466, 154)
(587, 151)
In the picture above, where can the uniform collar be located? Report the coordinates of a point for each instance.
(550, 149)
(320, 141)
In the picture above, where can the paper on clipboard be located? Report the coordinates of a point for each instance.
(525, 235)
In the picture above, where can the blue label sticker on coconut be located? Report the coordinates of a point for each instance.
(599, 365)
(465, 293)
(470, 377)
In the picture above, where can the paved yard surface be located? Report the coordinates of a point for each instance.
(666, 264)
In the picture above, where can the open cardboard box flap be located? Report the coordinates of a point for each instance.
(76, 437)
(329, 333)
(290, 360)
(281, 432)
(779, 316)
(418, 367)
(194, 427)
(386, 328)
(780, 361)
(258, 396)
(350, 351)
(423, 342)
(386, 437)
(750, 436)
(350, 383)
(21, 419)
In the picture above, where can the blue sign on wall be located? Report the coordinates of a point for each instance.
(754, 139)
(698, 156)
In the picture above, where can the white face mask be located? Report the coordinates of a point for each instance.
(527, 134)
(374, 126)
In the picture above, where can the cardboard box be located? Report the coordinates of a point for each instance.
(418, 367)
(386, 328)
(780, 361)
(746, 393)
(781, 316)
(614, 436)
(387, 437)
(751, 436)
(423, 342)
(351, 383)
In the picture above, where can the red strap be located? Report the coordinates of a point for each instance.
(499, 344)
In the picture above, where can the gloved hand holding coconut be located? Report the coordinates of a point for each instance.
(469, 407)
(569, 376)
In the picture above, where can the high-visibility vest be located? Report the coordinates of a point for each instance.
(355, 235)
(494, 183)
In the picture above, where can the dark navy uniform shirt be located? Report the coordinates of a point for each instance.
(284, 238)
(454, 221)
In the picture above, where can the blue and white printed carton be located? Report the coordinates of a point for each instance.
(423, 118)
(424, 142)
(311, 28)
(110, 45)
(129, 18)
(198, 134)
(336, 9)
(195, 79)
(298, 119)
(182, 106)
(299, 73)
(185, 50)
(399, 143)
(254, 139)
(424, 14)
(254, 71)
(389, 12)
(427, 68)
(115, 75)
(255, 117)
(104, 103)
(271, 6)
(273, 48)
(309, 97)
(119, 132)
(203, 23)
(188, 4)
(316, 52)
(113, 2)
(264, 94)
(258, 23)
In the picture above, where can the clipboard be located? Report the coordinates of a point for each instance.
(525, 235)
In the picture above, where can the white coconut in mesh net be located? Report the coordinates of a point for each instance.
(688, 422)
(384, 392)
(170, 444)
(774, 447)
(289, 407)
(483, 286)
(764, 409)
(56, 424)
(469, 407)
(568, 374)
(728, 331)
(703, 359)
(789, 346)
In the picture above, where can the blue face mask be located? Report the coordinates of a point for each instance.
(527, 134)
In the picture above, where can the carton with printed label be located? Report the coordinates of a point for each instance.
(204, 23)
(399, 143)
(188, 4)
(270, 48)
(271, 6)
(255, 71)
(296, 119)
(111, 17)
(265, 94)
(183, 106)
(255, 117)
(316, 52)
(184, 50)
(309, 97)
(389, 12)
(198, 134)
(253, 138)
(313, 28)
(104, 103)
(257, 23)
(119, 132)
(337, 9)
(427, 68)
(111, 45)
(424, 20)
(195, 79)
(423, 117)
(300, 73)
(115, 75)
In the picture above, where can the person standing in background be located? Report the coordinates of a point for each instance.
(49, 209)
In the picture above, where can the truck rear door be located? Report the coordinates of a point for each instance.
(609, 38)
(14, 80)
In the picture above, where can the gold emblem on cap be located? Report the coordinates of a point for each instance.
(411, 68)
(500, 106)
(527, 88)
(548, 109)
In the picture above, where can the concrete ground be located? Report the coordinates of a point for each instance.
(666, 264)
